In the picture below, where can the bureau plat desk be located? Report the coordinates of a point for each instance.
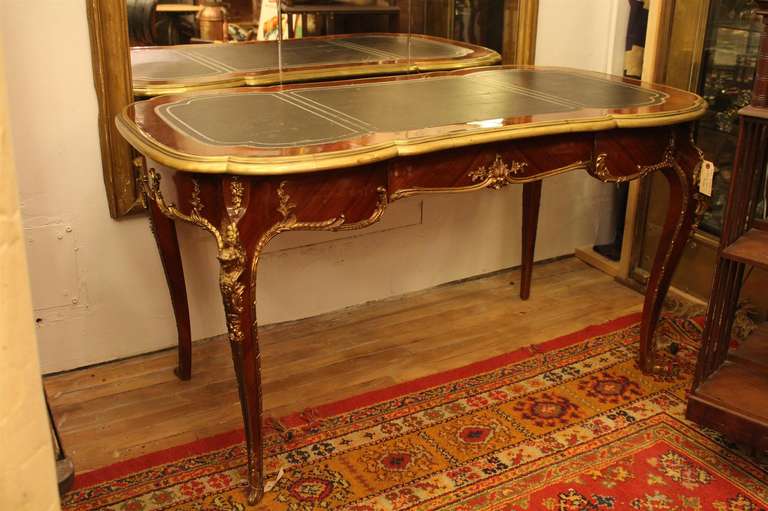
(248, 164)
(160, 70)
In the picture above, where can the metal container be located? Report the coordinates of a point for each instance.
(212, 20)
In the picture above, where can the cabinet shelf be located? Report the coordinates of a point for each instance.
(750, 248)
(730, 391)
(731, 399)
(736, 26)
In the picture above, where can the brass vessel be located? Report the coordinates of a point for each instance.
(212, 20)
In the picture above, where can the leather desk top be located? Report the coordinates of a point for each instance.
(310, 127)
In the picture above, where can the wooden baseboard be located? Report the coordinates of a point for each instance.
(638, 283)
(602, 263)
(592, 258)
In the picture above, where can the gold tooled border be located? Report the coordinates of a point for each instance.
(264, 166)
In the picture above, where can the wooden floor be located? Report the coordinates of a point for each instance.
(124, 409)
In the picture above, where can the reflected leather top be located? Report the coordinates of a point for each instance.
(160, 70)
(314, 126)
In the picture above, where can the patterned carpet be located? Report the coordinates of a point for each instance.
(571, 425)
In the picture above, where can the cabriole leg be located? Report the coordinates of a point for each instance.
(164, 230)
(675, 233)
(237, 284)
(247, 362)
(237, 266)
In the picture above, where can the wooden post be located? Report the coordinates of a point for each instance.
(760, 88)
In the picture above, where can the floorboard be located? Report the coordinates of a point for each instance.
(123, 409)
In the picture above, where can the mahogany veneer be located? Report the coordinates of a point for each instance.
(751, 248)
(360, 145)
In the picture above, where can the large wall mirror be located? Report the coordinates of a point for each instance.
(136, 52)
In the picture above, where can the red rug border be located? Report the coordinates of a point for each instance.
(223, 440)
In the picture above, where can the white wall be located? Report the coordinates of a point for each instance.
(588, 34)
(97, 284)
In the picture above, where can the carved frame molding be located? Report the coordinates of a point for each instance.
(108, 27)
(519, 42)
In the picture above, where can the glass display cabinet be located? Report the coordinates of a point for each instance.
(710, 47)
(728, 64)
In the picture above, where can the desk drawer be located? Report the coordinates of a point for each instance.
(489, 165)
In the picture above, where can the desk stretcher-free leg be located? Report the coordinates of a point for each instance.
(620, 158)
(164, 230)
(247, 362)
(674, 235)
(531, 200)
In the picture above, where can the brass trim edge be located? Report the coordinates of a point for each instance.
(350, 158)
(489, 180)
(289, 222)
(230, 251)
(601, 171)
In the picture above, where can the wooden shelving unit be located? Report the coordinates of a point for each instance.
(751, 248)
(730, 390)
(730, 399)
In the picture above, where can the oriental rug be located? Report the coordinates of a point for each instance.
(569, 425)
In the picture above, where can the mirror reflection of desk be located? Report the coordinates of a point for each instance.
(184, 68)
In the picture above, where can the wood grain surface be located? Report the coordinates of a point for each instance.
(124, 409)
